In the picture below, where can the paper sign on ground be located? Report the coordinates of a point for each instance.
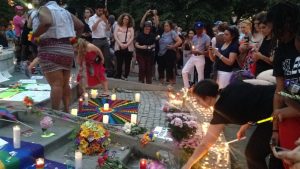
(27, 81)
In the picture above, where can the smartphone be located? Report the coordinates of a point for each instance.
(246, 38)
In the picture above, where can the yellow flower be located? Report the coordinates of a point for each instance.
(82, 149)
(84, 143)
(97, 135)
(84, 127)
(84, 133)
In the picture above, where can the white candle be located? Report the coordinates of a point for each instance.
(74, 112)
(78, 160)
(40, 163)
(94, 93)
(193, 47)
(105, 119)
(17, 136)
(133, 118)
(86, 99)
(106, 107)
(113, 97)
(137, 97)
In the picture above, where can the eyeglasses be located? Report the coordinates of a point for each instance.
(126, 18)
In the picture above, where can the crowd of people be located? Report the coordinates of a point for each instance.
(105, 47)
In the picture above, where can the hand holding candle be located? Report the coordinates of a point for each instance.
(17, 137)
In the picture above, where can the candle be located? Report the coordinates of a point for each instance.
(106, 107)
(78, 160)
(80, 104)
(193, 47)
(74, 112)
(113, 97)
(105, 119)
(137, 97)
(133, 118)
(86, 99)
(143, 164)
(17, 136)
(94, 93)
(40, 163)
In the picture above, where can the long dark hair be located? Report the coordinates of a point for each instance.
(284, 17)
(206, 88)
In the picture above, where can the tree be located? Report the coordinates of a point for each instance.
(6, 12)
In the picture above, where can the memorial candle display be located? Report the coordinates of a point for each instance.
(143, 164)
(105, 119)
(94, 93)
(74, 112)
(78, 160)
(137, 97)
(40, 163)
(17, 136)
(133, 118)
(113, 97)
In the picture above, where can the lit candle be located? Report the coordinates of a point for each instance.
(80, 104)
(137, 97)
(105, 119)
(86, 99)
(74, 112)
(78, 160)
(193, 47)
(17, 136)
(94, 93)
(40, 163)
(143, 164)
(113, 97)
(133, 118)
(106, 107)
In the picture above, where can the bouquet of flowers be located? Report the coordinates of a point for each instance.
(182, 125)
(189, 145)
(107, 162)
(92, 138)
(133, 129)
(45, 124)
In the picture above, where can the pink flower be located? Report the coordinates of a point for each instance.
(177, 122)
(192, 124)
(46, 122)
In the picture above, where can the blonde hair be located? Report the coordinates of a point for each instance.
(247, 22)
(82, 47)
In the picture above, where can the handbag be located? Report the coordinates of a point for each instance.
(126, 49)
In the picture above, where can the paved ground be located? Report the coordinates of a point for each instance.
(150, 114)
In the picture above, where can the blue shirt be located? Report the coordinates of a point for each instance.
(201, 42)
(165, 40)
(10, 34)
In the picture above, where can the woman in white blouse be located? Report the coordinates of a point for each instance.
(124, 35)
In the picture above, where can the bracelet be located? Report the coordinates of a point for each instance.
(220, 57)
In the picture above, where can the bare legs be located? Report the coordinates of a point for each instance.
(60, 89)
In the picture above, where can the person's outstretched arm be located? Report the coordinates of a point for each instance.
(209, 139)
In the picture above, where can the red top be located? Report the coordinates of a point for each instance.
(95, 71)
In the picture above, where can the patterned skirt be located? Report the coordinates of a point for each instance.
(55, 54)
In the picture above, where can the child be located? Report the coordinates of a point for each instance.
(90, 59)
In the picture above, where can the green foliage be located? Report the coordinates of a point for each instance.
(6, 12)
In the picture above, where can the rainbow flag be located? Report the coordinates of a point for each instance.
(4, 112)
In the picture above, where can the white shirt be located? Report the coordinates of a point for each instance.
(62, 26)
(100, 32)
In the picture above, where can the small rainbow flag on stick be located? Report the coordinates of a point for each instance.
(5, 113)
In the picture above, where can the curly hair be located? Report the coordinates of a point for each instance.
(130, 22)
(234, 32)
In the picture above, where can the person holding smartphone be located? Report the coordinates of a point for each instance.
(291, 157)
